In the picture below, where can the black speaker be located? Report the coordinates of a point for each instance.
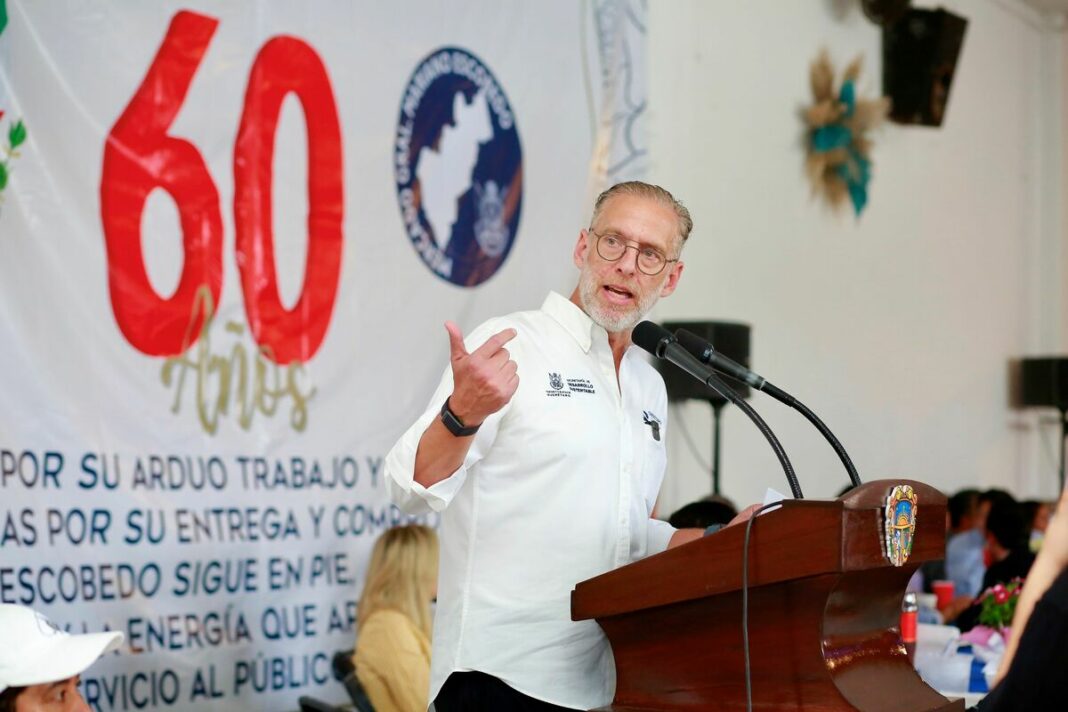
(884, 12)
(1044, 382)
(729, 338)
(920, 54)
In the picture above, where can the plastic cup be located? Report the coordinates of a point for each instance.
(943, 590)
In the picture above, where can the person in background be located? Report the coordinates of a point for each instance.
(1008, 543)
(710, 511)
(1031, 675)
(963, 565)
(964, 544)
(1037, 513)
(1008, 549)
(393, 628)
(40, 665)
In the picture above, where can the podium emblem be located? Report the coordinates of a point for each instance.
(900, 523)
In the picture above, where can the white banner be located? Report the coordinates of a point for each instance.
(229, 235)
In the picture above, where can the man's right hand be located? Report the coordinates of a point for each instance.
(483, 380)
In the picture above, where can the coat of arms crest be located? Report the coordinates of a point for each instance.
(900, 523)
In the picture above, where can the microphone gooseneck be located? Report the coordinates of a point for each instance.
(661, 343)
(704, 352)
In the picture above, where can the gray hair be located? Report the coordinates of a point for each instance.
(652, 192)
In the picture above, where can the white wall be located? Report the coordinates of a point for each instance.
(896, 328)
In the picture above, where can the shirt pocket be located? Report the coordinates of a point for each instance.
(653, 464)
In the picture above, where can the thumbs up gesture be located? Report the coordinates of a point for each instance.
(483, 380)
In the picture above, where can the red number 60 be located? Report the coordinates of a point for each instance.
(141, 156)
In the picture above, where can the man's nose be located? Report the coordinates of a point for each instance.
(628, 263)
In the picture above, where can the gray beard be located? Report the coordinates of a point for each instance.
(610, 321)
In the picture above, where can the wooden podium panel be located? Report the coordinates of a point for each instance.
(824, 612)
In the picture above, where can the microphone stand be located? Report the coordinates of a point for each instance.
(829, 436)
(716, 383)
(661, 343)
(704, 353)
(717, 411)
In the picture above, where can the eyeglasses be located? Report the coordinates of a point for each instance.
(611, 248)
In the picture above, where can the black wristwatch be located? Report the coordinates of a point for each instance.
(454, 424)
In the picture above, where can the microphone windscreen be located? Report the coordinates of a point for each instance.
(650, 336)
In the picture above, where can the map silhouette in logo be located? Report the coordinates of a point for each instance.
(458, 167)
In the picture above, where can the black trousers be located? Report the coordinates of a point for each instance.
(479, 692)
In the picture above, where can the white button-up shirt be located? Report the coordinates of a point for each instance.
(557, 487)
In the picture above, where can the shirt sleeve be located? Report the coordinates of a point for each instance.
(403, 490)
(657, 536)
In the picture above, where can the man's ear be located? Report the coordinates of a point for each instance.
(673, 279)
(581, 248)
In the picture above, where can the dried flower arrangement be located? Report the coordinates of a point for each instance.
(838, 161)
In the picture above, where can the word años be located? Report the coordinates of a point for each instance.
(255, 384)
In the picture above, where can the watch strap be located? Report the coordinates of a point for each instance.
(454, 424)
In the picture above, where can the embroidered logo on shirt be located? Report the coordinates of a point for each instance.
(580, 385)
(556, 381)
(564, 387)
(653, 422)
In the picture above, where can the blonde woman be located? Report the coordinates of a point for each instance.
(392, 655)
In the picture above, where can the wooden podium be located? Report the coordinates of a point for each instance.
(824, 612)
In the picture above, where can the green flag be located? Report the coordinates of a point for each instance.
(3, 15)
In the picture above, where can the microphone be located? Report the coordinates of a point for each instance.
(661, 343)
(704, 352)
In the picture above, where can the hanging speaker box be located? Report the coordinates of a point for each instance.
(729, 338)
(920, 54)
(1044, 382)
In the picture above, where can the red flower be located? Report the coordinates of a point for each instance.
(1000, 596)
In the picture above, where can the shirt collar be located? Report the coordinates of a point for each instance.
(575, 321)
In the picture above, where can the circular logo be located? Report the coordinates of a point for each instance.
(458, 167)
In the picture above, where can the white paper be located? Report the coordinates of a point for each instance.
(772, 496)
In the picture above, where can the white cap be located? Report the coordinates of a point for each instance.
(35, 651)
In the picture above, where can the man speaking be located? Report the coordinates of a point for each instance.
(543, 449)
